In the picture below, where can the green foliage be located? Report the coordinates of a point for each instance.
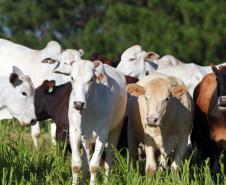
(194, 31)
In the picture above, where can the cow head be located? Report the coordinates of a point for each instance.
(20, 100)
(221, 86)
(67, 58)
(61, 63)
(134, 62)
(85, 74)
(155, 97)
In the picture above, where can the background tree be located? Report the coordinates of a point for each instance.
(193, 31)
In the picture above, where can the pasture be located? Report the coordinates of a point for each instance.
(22, 164)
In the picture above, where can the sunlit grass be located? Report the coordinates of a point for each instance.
(22, 164)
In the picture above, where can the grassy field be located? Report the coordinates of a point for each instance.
(21, 164)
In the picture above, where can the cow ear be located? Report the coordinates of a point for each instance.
(135, 90)
(178, 90)
(48, 61)
(214, 69)
(13, 78)
(150, 56)
(17, 71)
(50, 86)
(99, 72)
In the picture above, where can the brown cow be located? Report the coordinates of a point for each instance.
(209, 130)
(52, 102)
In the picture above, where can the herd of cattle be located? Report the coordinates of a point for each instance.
(161, 104)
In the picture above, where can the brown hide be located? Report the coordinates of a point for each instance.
(209, 128)
(54, 105)
(204, 91)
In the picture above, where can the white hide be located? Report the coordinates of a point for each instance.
(17, 100)
(208, 68)
(103, 90)
(167, 61)
(133, 62)
(191, 74)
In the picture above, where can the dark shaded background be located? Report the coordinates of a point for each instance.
(193, 31)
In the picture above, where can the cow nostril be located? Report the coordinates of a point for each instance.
(33, 121)
(222, 101)
(79, 105)
(155, 120)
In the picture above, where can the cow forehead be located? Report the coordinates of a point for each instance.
(158, 89)
(131, 52)
(83, 69)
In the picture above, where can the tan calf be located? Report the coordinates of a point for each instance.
(161, 119)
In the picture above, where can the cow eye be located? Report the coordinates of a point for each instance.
(24, 93)
(146, 73)
(131, 59)
(72, 79)
(90, 80)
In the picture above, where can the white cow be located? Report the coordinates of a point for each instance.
(17, 97)
(32, 63)
(96, 111)
(138, 63)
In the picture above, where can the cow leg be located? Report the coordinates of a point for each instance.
(151, 166)
(86, 156)
(53, 132)
(132, 143)
(98, 151)
(214, 160)
(75, 148)
(112, 144)
(162, 162)
(179, 154)
(35, 133)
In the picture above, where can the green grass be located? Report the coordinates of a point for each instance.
(22, 164)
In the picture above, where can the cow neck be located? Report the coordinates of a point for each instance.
(5, 90)
(60, 95)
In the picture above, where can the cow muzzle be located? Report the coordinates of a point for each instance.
(222, 103)
(152, 120)
(79, 105)
(32, 122)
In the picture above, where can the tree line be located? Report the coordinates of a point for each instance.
(193, 31)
